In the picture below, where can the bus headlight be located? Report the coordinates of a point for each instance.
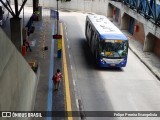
(102, 61)
(102, 53)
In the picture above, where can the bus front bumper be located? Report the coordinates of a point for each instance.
(102, 63)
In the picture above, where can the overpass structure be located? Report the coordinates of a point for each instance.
(18, 82)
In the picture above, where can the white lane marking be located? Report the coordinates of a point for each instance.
(74, 83)
(71, 67)
(69, 55)
(77, 103)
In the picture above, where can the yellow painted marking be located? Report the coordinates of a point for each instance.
(43, 37)
(59, 44)
(68, 98)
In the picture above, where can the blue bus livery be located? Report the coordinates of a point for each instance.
(107, 43)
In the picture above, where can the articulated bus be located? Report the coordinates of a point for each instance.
(107, 43)
(3, 13)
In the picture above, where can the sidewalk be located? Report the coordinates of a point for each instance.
(151, 61)
(42, 37)
(46, 98)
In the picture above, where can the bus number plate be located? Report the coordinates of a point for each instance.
(113, 64)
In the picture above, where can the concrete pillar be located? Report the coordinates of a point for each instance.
(40, 14)
(124, 20)
(35, 5)
(110, 11)
(16, 32)
(149, 43)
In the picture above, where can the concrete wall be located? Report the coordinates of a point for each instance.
(157, 47)
(147, 32)
(17, 80)
(149, 26)
(139, 35)
(98, 6)
(124, 21)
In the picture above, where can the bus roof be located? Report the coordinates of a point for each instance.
(105, 28)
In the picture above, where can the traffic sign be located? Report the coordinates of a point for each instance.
(54, 14)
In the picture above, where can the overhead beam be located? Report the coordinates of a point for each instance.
(24, 2)
(17, 12)
(16, 7)
(9, 6)
(12, 13)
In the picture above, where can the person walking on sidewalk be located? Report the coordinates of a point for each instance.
(57, 79)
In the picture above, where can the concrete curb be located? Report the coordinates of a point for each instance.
(153, 70)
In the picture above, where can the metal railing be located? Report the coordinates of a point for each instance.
(147, 8)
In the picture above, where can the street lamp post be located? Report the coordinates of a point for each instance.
(57, 17)
(23, 13)
(58, 37)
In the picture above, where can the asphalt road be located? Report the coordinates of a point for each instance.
(133, 88)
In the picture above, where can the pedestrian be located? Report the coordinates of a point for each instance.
(26, 43)
(57, 79)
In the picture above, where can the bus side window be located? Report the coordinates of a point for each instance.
(100, 46)
(86, 29)
(96, 41)
(87, 25)
(93, 41)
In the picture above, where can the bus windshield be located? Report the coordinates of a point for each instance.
(114, 48)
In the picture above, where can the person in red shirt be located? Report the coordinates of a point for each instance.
(57, 79)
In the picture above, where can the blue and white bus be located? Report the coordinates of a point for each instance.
(107, 43)
(3, 13)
